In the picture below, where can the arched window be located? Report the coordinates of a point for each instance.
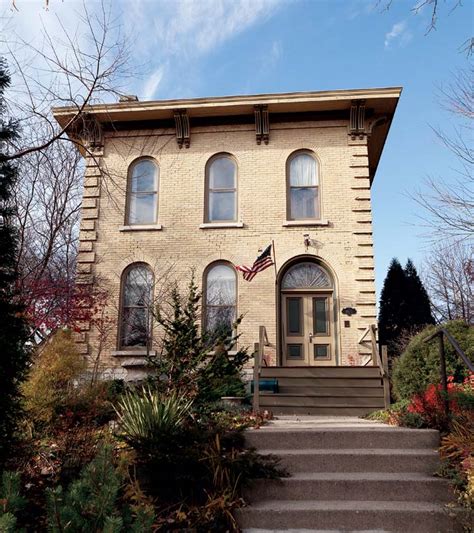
(306, 275)
(137, 299)
(220, 282)
(221, 186)
(303, 187)
(142, 202)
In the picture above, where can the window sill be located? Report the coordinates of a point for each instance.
(142, 227)
(290, 223)
(132, 353)
(217, 225)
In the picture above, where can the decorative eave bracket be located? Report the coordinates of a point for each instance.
(262, 124)
(87, 131)
(357, 126)
(183, 130)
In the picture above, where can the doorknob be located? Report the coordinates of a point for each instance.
(310, 337)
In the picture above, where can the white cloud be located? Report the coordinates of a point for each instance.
(152, 83)
(399, 33)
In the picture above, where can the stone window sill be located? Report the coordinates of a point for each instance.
(142, 227)
(291, 223)
(217, 225)
(132, 353)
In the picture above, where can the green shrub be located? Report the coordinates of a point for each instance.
(94, 502)
(418, 366)
(11, 502)
(147, 418)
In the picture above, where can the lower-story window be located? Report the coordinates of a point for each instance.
(220, 286)
(137, 297)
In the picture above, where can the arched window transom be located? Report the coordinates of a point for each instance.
(137, 298)
(220, 298)
(143, 192)
(306, 276)
(222, 190)
(303, 185)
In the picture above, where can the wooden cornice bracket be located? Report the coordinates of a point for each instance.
(183, 130)
(87, 130)
(357, 126)
(262, 124)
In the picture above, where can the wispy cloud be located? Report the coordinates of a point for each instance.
(398, 34)
(151, 84)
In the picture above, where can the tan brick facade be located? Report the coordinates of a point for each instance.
(342, 241)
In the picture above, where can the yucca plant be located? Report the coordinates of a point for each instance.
(146, 417)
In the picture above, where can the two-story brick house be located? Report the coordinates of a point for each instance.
(205, 184)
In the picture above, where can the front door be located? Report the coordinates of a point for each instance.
(308, 329)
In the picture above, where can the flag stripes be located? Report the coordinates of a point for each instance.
(263, 261)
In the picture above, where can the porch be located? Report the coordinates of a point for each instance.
(322, 390)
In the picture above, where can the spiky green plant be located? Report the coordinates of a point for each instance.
(146, 417)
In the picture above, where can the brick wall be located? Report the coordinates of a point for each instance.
(345, 245)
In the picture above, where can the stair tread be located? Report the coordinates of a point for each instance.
(349, 505)
(311, 395)
(351, 451)
(362, 476)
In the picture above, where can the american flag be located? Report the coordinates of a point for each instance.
(263, 261)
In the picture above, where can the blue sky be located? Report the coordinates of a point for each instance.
(221, 47)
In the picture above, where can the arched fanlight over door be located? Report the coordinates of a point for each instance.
(306, 275)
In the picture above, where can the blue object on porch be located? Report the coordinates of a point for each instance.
(266, 385)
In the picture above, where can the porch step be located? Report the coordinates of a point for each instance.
(351, 515)
(357, 460)
(321, 371)
(354, 391)
(348, 475)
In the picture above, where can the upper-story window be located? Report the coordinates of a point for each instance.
(143, 192)
(136, 302)
(220, 282)
(221, 187)
(303, 187)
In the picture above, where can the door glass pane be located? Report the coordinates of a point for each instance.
(321, 351)
(294, 351)
(221, 206)
(320, 316)
(304, 203)
(294, 316)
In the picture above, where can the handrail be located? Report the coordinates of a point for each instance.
(441, 333)
(258, 358)
(454, 344)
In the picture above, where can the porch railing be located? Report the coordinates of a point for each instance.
(379, 358)
(259, 353)
(442, 334)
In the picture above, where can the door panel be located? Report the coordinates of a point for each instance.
(308, 329)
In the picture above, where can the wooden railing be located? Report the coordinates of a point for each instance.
(378, 357)
(442, 333)
(259, 352)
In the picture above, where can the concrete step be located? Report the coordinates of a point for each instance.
(355, 382)
(319, 400)
(321, 371)
(330, 391)
(373, 486)
(321, 411)
(351, 515)
(357, 460)
(342, 438)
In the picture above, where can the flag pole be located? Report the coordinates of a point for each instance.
(274, 260)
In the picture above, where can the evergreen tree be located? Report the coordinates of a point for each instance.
(392, 306)
(404, 305)
(417, 300)
(13, 330)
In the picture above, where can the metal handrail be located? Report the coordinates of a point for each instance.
(441, 333)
